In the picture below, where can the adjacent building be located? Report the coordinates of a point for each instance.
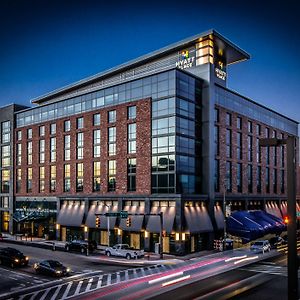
(161, 133)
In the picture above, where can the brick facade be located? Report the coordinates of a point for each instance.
(143, 152)
(222, 155)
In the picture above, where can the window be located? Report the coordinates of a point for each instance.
(53, 149)
(239, 177)
(52, 179)
(217, 175)
(258, 179)
(111, 175)
(19, 154)
(96, 119)
(96, 175)
(132, 138)
(217, 147)
(67, 125)
(239, 123)
(250, 182)
(67, 178)
(42, 151)
(239, 144)
(258, 129)
(29, 180)
(111, 141)
(19, 180)
(131, 175)
(217, 115)
(258, 151)
(5, 132)
(5, 156)
(79, 145)
(275, 181)
(112, 116)
(19, 135)
(42, 130)
(5, 177)
(53, 128)
(282, 181)
(131, 112)
(67, 142)
(79, 123)
(29, 133)
(249, 148)
(267, 180)
(29, 153)
(97, 140)
(228, 119)
(42, 180)
(250, 130)
(228, 177)
(79, 179)
(228, 143)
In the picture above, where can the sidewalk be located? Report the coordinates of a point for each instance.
(60, 246)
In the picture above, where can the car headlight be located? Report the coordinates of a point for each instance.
(26, 257)
(68, 270)
(16, 260)
(58, 272)
(35, 266)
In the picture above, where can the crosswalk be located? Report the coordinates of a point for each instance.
(83, 285)
(271, 269)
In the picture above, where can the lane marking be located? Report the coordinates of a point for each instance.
(165, 277)
(78, 288)
(245, 259)
(56, 292)
(99, 282)
(108, 279)
(235, 258)
(67, 290)
(176, 280)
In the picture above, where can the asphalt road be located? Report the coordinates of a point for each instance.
(16, 279)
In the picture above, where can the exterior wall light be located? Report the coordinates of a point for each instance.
(146, 234)
(86, 229)
(183, 236)
(177, 236)
(57, 226)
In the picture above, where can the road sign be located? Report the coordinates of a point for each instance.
(112, 214)
(124, 214)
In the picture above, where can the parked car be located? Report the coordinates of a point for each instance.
(123, 250)
(81, 246)
(1, 236)
(51, 267)
(13, 257)
(261, 246)
(276, 241)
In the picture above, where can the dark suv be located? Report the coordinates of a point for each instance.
(81, 246)
(12, 257)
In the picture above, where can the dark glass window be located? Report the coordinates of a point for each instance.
(131, 112)
(275, 181)
(239, 123)
(249, 148)
(239, 175)
(96, 119)
(228, 177)
(250, 127)
(29, 133)
(67, 125)
(67, 178)
(258, 129)
(111, 175)
(79, 178)
(258, 179)
(112, 114)
(282, 182)
(217, 115)
(53, 128)
(239, 144)
(217, 175)
(79, 123)
(228, 119)
(250, 182)
(131, 175)
(217, 148)
(228, 143)
(258, 151)
(267, 180)
(96, 174)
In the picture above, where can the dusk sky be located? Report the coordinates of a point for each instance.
(48, 44)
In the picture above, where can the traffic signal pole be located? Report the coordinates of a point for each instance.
(160, 235)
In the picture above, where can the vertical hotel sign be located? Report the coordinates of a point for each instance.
(186, 59)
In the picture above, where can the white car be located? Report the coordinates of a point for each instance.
(261, 246)
(123, 250)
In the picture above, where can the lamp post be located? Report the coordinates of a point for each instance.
(224, 211)
(290, 143)
(108, 231)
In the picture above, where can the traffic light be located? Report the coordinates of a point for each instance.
(286, 220)
(97, 222)
(128, 222)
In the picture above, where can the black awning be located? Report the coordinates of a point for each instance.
(197, 219)
(153, 224)
(136, 221)
(219, 217)
(101, 209)
(71, 215)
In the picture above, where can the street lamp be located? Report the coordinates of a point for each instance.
(224, 211)
(290, 143)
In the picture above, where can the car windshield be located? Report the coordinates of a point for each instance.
(125, 247)
(14, 251)
(54, 263)
(258, 243)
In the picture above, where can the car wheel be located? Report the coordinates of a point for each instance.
(67, 248)
(12, 265)
(108, 253)
(128, 256)
(82, 250)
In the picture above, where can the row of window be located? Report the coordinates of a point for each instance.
(131, 177)
(131, 114)
(239, 178)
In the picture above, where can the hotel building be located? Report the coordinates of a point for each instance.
(161, 133)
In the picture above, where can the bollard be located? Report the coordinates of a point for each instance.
(87, 251)
(53, 247)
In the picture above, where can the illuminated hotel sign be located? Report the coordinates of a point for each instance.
(185, 60)
(220, 70)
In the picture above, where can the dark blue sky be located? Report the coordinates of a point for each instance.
(48, 44)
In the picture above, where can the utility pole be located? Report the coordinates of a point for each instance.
(224, 211)
(290, 143)
(160, 235)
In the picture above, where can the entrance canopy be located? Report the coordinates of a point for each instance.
(153, 224)
(101, 209)
(136, 221)
(197, 219)
(71, 214)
